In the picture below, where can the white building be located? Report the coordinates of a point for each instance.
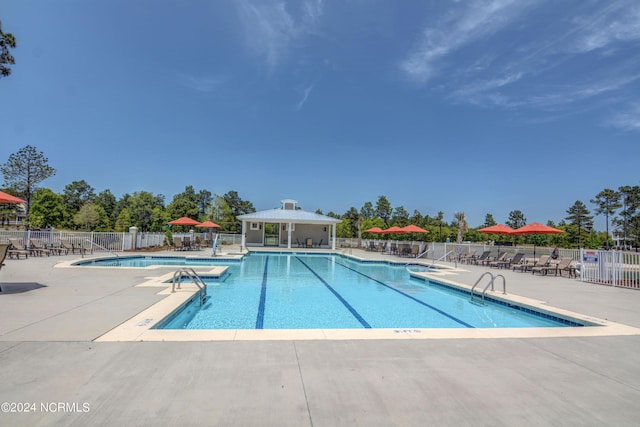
(288, 227)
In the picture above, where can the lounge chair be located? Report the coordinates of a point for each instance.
(414, 251)
(320, 244)
(483, 256)
(309, 243)
(497, 260)
(4, 249)
(177, 244)
(466, 258)
(515, 262)
(38, 246)
(563, 265)
(18, 249)
(404, 250)
(541, 266)
(66, 246)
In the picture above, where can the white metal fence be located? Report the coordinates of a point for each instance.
(111, 241)
(614, 268)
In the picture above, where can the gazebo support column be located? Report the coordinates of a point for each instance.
(289, 236)
(333, 237)
(243, 243)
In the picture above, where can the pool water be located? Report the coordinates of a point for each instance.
(303, 291)
(148, 261)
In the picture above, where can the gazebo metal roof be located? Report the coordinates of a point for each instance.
(288, 215)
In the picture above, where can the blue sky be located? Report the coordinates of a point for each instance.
(474, 106)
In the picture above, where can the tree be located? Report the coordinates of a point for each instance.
(123, 222)
(107, 201)
(87, 215)
(489, 221)
(516, 219)
(46, 209)
(238, 207)
(383, 209)
(461, 219)
(220, 213)
(142, 208)
(203, 199)
(76, 195)
(579, 218)
(367, 211)
(24, 170)
(607, 202)
(351, 226)
(400, 217)
(629, 218)
(184, 204)
(7, 40)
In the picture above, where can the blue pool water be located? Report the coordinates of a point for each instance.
(148, 261)
(303, 291)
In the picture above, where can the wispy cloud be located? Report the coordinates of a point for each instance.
(617, 22)
(307, 90)
(508, 54)
(627, 119)
(200, 84)
(270, 29)
(474, 21)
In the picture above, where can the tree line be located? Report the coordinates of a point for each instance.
(80, 207)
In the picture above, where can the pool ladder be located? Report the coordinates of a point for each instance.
(197, 280)
(484, 291)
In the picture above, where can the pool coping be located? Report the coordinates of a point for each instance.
(140, 326)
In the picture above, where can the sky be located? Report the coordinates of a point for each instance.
(481, 107)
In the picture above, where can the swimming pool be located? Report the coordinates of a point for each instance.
(305, 291)
(142, 261)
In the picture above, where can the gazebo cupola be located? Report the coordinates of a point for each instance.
(289, 205)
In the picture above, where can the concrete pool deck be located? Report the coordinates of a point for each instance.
(48, 358)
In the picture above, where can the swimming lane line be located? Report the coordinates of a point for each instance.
(444, 313)
(352, 310)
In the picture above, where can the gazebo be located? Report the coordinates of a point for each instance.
(288, 227)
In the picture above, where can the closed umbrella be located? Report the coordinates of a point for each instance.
(536, 228)
(210, 225)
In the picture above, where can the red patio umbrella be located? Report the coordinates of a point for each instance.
(394, 230)
(536, 228)
(8, 198)
(184, 221)
(208, 224)
(497, 229)
(414, 229)
(374, 230)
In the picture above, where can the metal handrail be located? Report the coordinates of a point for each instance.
(423, 253)
(101, 247)
(195, 278)
(484, 290)
(441, 258)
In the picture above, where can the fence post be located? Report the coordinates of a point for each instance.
(133, 234)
